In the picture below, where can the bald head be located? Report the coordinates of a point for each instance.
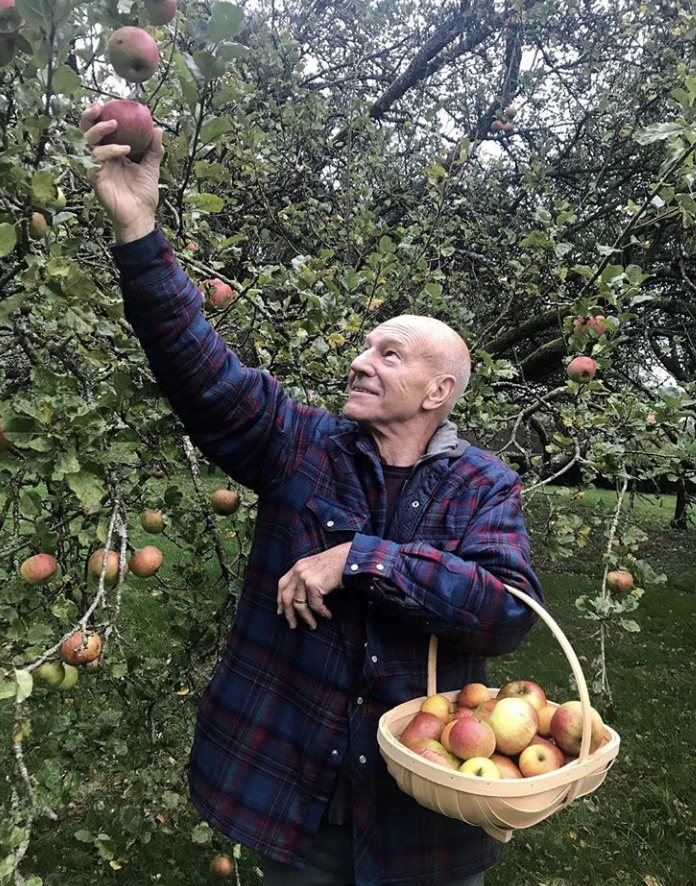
(445, 349)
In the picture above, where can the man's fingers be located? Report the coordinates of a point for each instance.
(96, 133)
(90, 116)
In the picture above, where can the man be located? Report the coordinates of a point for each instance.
(375, 528)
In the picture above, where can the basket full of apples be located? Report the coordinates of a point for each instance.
(503, 758)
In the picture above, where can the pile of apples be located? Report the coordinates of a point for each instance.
(515, 734)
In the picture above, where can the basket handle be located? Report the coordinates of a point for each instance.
(555, 629)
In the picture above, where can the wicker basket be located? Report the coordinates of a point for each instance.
(499, 806)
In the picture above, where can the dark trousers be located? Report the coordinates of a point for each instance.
(330, 863)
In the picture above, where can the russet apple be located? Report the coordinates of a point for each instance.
(515, 723)
(508, 768)
(439, 705)
(508, 127)
(581, 370)
(133, 54)
(545, 714)
(497, 126)
(221, 866)
(566, 728)
(458, 713)
(473, 694)
(146, 561)
(80, 648)
(225, 501)
(531, 692)
(160, 12)
(38, 226)
(470, 737)
(619, 580)
(134, 129)
(94, 566)
(422, 726)
(39, 569)
(432, 750)
(480, 767)
(152, 521)
(536, 759)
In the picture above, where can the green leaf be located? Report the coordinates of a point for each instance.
(232, 51)
(88, 488)
(8, 688)
(66, 80)
(8, 239)
(659, 132)
(214, 128)
(226, 21)
(9, 305)
(206, 202)
(629, 625)
(25, 685)
(84, 836)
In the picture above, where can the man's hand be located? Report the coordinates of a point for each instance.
(301, 591)
(128, 191)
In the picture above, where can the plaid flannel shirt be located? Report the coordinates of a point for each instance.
(284, 707)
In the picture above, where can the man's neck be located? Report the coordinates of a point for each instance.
(404, 447)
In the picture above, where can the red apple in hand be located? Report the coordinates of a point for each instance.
(134, 126)
(531, 692)
(515, 723)
(133, 54)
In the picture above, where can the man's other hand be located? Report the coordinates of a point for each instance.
(301, 591)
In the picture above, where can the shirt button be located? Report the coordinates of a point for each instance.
(380, 567)
(359, 700)
(362, 758)
(354, 567)
(374, 658)
(334, 753)
(330, 523)
(415, 504)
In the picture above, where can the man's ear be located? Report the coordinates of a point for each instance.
(439, 392)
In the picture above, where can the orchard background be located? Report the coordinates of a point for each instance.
(513, 169)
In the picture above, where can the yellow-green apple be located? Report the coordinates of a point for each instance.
(566, 728)
(94, 566)
(39, 569)
(5, 443)
(480, 767)
(581, 370)
(536, 759)
(38, 226)
(225, 501)
(160, 12)
(473, 694)
(515, 723)
(619, 580)
(545, 714)
(434, 751)
(423, 725)
(70, 678)
(133, 54)
(508, 768)
(152, 521)
(470, 737)
(79, 648)
(439, 705)
(221, 866)
(483, 711)
(146, 561)
(531, 692)
(134, 128)
(51, 673)
(216, 293)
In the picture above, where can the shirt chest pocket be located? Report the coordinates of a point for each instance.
(329, 523)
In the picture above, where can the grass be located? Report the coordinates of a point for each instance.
(638, 828)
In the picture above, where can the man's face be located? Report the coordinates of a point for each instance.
(389, 380)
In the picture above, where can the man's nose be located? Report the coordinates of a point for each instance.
(362, 363)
